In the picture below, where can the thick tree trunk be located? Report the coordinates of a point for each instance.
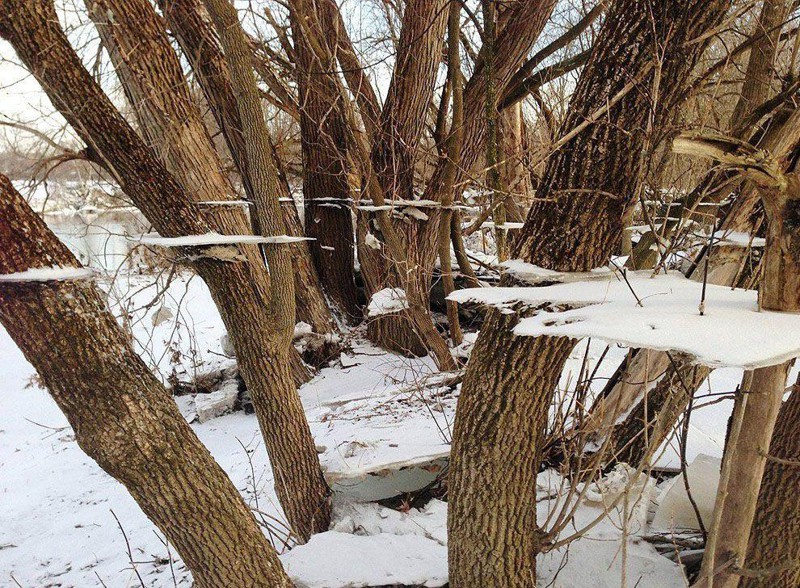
(326, 188)
(760, 65)
(237, 289)
(122, 416)
(587, 184)
(394, 154)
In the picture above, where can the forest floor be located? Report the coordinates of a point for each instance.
(382, 425)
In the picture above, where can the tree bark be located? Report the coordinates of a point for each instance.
(197, 38)
(242, 298)
(326, 188)
(453, 154)
(571, 231)
(774, 548)
(122, 416)
(394, 154)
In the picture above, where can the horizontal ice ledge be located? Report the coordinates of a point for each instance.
(217, 239)
(732, 332)
(49, 274)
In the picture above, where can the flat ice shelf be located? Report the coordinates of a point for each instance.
(733, 331)
(217, 239)
(50, 274)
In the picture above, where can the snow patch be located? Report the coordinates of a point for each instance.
(387, 301)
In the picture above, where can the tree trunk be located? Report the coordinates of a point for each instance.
(197, 38)
(394, 155)
(122, 416)
(775, 534)
(238, 291)
(761, 63)
(326, 189)
(774, 550)
(570, 231)
(756, 408)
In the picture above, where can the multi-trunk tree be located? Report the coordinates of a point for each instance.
(633, 81)
(258, 314)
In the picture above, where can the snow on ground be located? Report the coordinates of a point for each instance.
(62, 518)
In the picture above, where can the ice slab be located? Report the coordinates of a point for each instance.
(660, 312)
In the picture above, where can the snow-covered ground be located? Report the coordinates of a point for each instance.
(64, 522)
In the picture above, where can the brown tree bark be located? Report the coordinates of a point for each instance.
(760, 71)
(122, 416)
(328, 216)
(453, 154)
(195, 33)
(394, 154)
(774, 546)
(240, 295)
(510, 381)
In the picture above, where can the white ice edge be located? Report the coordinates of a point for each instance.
(733, 332)
(338, 472)
(241, 203)
(504, 227)
(217, 239)
(50, 274)
(534, 274)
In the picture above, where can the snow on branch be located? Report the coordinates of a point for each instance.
(658, 313)
(237, 203)
(50, 274)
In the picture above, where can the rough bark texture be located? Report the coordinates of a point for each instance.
(243, 300)
(122, 416)
(519, 27)
(775, 536)
(197, 38)
(394, 154)
(574, 230)
(326, 189)
(310, 494)
(760, 73)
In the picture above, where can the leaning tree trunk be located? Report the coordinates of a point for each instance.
(577, 225)
(197, 38)
(240, 295)
(122, 416)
